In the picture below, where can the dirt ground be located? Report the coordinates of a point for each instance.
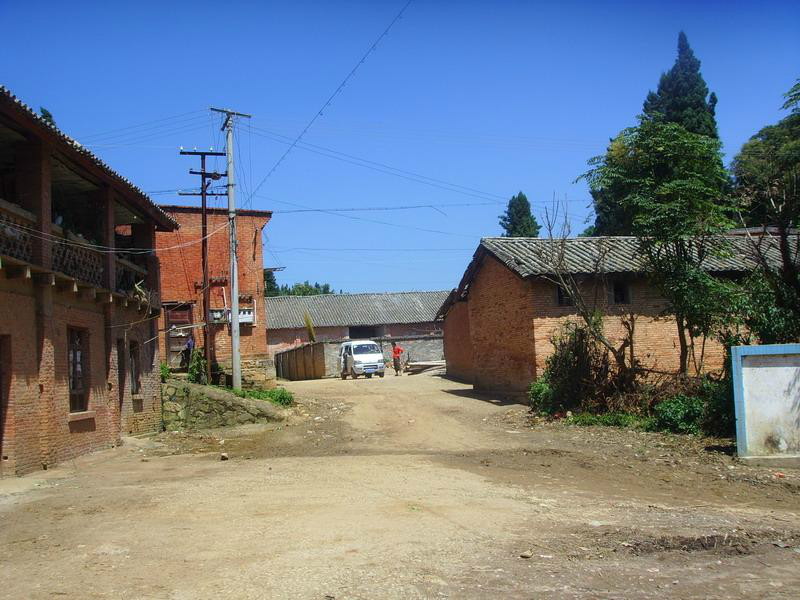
(410, 487)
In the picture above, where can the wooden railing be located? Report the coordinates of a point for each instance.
(132, 281)
(79, 261)
(16, 240)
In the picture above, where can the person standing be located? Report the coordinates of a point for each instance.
(397, 352)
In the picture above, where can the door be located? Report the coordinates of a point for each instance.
(179, 318)
(5, 383)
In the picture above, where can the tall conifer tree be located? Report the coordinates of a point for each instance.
(682, 95)
(518, 220)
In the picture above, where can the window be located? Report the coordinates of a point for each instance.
(621, 293)
(564, 298)
(366, 349)
(134, 367)
(78, 365)
(362, 332)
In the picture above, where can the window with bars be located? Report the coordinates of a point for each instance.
(78, 365)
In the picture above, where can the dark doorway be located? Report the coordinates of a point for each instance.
(363, 332)
(121, 372)
(179, 318)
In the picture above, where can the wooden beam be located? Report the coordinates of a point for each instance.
(105, 298)
(45, 278)
(89, 293)
(18, 272)
(68, 285)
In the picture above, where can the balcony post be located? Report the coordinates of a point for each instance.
(34, 194)
(106, 201)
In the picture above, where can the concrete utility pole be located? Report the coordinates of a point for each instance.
(236, 357)
(206, 292)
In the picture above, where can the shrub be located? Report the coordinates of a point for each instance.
(165, 372)
(197, 367)
(576, 374)
(679, 414)
(540, 397)
(720, 414)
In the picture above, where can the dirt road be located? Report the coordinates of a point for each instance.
(403, 488)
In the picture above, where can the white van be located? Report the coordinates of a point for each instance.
(361, 357)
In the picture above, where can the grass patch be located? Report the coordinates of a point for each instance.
(279, 396)
(613, 419)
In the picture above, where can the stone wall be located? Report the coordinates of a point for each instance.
(190, 406)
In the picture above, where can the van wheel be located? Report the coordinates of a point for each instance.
(344, 375)
(380, 375)
(353, 374)
(368, 375)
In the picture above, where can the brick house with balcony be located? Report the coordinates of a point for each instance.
(79, 297)
(499, 322)
(180, 253)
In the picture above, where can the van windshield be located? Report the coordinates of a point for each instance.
(366, 349)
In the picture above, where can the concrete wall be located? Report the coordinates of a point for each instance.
(321, 359)
(767, 395)
(283, 339)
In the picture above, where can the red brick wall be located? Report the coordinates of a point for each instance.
(655, 337)
(181, 268)
(512, 322)
(38, 428)
(501, 321)
(458, 343)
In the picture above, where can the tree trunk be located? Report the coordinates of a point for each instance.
(683, 368)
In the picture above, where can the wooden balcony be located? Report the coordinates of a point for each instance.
(74, 259)
(132, 282)
(16, 239)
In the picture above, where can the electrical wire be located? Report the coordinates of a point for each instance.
(330, 99)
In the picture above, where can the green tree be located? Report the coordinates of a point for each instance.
(672, 184)
(682, 95)
(767, 174)
(47, 115)
(518, 220)
(682, 98)
(271, 287)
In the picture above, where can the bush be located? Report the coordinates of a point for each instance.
(165, 372)
(540, 397)
(720, 414)
(576, 374)
(197, 367)
(679, 414)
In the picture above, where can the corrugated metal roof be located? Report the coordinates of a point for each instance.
(344, 310)
(78, 147)
(618, 254)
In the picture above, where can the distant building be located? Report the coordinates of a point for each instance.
(180, 253)
(79, 297)
(499, 322)
(401, 316)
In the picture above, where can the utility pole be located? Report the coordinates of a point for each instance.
(204, 233)
(236, 357)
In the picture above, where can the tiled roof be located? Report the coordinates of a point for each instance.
(344, 310)
(618, 254)
(75, 146)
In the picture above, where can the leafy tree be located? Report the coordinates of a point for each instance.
(681, 95)
(47, 116)
(767, 173)
(271, 287)
(681, 98)
(518, 220)
(672, 184)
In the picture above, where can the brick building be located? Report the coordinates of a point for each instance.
(405, 316)
(180, 254)
(79, 297)
(499, 322)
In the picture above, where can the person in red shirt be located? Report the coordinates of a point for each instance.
(397, 351)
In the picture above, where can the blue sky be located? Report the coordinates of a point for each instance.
(493, 96)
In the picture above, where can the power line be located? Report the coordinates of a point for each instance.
(111, 133)
(330, 98)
